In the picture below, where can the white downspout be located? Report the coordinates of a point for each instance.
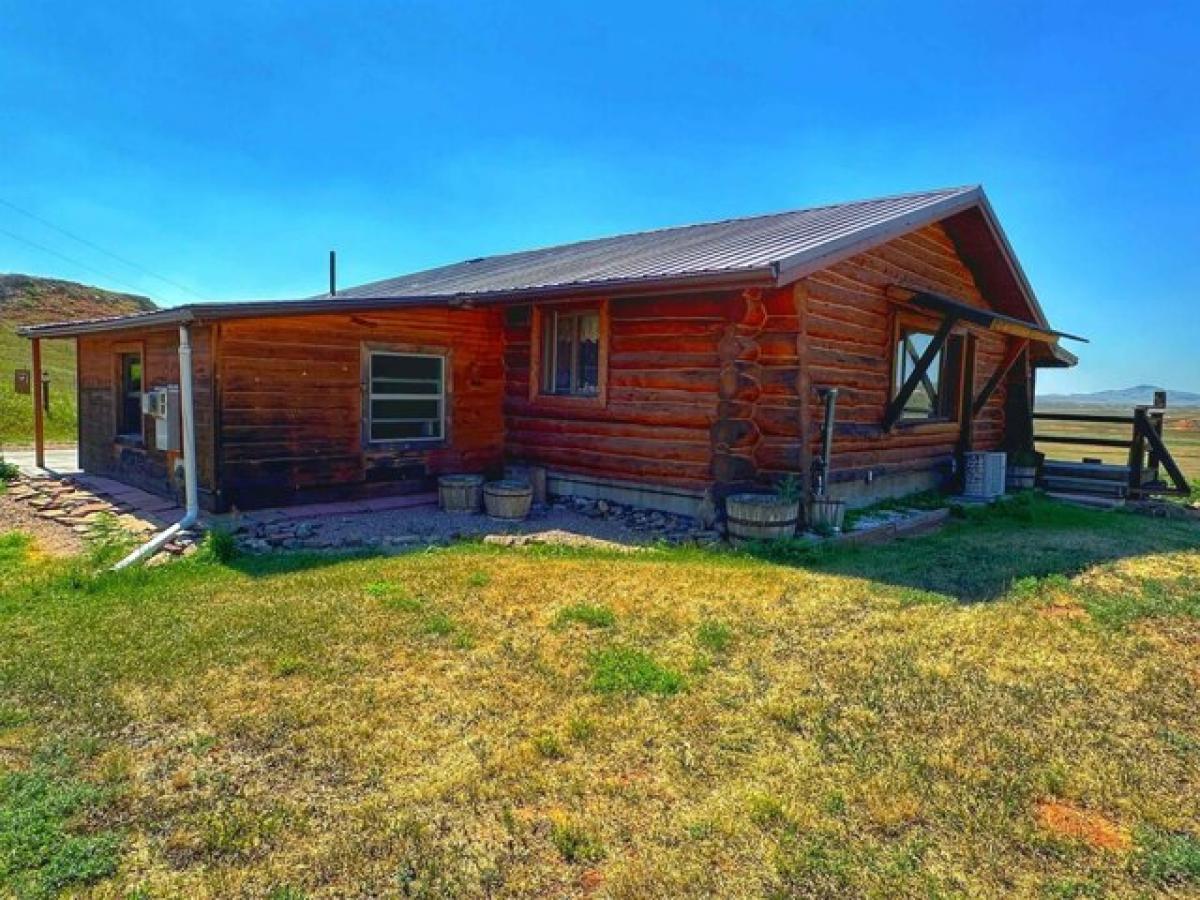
(192, 510)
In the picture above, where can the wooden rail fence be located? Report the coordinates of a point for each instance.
(1147, 450)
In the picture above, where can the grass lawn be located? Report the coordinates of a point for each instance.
(1005, 708)
(16, 410)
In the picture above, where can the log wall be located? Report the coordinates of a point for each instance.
(850, 330)
(291, 396)
(723, 389)
(655, 422)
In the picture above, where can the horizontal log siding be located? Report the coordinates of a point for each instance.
(849, 331)
(291, 401)
(663, 373)
(98, 389)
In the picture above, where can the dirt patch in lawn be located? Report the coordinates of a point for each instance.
(1089, 827)
(49, 536)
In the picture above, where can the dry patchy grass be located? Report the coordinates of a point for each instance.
(512, 722)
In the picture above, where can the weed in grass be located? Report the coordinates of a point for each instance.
(1167, 859)
(834, 803)
(589, 614)
(814, 865)
(478, 579)
(12, 717)
(40, 854)
(238, 830)
(581, 730)
(625, 670)
(1073, 889)
(575, 843)
(219, 546)
(765, 811)
(380, 589)
(714, 636)
(286, 892)
(436, 624)
(287, 665)
(548, 745)
(107, 541)
(395, 597)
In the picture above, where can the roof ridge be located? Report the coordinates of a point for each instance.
(940, 193)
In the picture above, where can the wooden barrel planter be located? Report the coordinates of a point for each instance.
(460, 493)
(507, 499)
(760, 517)
(826, 514)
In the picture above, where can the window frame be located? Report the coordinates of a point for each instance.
(120, 351)
(444, 396)
(544, 313)
(907, 325)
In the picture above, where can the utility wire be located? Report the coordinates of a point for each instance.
(74, 262)
(99, 249)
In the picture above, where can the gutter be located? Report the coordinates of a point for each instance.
(188, 411)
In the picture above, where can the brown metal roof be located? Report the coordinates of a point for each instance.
(760, 250)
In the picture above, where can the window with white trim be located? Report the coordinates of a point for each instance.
(406, 397)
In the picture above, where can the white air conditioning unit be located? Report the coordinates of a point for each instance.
(983, 478)
(154, 403)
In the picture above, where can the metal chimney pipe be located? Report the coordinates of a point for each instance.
(332, 272)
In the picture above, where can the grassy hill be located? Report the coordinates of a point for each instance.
(28, 300)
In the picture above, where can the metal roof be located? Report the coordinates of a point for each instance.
(760, 250)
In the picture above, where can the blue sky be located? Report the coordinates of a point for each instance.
(228, 149)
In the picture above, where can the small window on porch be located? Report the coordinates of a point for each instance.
(938, 391)
(407, 398)
(129, 410)
(571, 353)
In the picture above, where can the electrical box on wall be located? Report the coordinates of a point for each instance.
(167, 419)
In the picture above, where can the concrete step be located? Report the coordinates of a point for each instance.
(1089, 500)
(1098, 486)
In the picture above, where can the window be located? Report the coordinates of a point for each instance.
(571, 353)
(129, 412)
(407, 397)
(937, 393)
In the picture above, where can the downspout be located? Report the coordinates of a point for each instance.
(192, 509)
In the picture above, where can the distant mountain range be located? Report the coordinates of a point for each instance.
(1130, 396)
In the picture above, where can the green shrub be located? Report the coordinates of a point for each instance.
(8, 471)
(589, 614)
(624, 670)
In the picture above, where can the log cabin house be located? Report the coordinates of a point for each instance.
(661, 368)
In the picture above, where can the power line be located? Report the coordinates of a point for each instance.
(99, 249)
(65, 258)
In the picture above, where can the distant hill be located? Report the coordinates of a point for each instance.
(28, 300)
(1130, 396)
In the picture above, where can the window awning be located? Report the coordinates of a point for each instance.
(984, 318)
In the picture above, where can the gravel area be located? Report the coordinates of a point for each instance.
(51, 537)
(565, 521)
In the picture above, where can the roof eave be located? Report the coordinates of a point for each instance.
(762, 276)
(797, 266)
